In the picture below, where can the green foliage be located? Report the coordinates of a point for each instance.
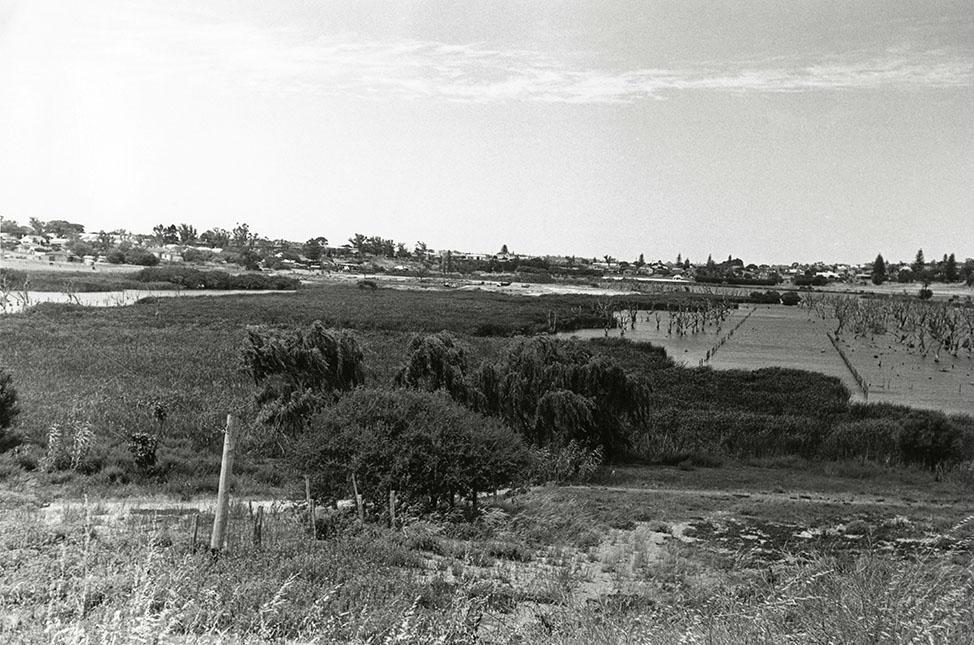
(865, 440)
(434, 362)
(674, 434)
(189, 278)
(143, 446)
(569, 463)
(879, 270)
(421, 444)
(9, 409)
(929, 438)
(68, 446)
(141, 257)
(298, 371)
(766, 297)
(198, 255)
(8, 401)
(790, 298)
(544, 387)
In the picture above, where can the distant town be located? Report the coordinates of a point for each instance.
(60, 241)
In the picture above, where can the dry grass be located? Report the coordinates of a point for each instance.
(88, 580)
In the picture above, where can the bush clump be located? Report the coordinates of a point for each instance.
(436, 361)
(9, 409)
(296, 372)
(190, 278)
(423, 445)
(555, 391)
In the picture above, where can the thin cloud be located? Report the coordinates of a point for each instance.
(282, 60)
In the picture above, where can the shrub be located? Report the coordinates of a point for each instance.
(141, 257)
(68, 446)
(790, 298)
(925, 294)
(528, 390)
(142, 446)
(677, 434)
(190, 278)
(116, 256)
(197, 255)
(296, 372)
(930, 439)
(435, 361)
(421, 444)
(566, 464)
(871, 439)
(8, 405)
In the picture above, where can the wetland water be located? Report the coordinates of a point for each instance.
(18, 301)
(780, 336)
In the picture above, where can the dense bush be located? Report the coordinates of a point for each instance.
(865, 440)
(141, 257)
(811, 281)
(190, 278)
(8, 407)
(772, 390)
(423, 445)
(298, 371)
(198, 255)
(554, 391)
(790, 298)
(434, 362)
(673, 435)
(929, 438)
(766, 297)
(566, 464)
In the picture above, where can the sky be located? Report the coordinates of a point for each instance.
(774, 131)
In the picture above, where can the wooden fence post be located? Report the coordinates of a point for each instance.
(219, 537)
(392, 509)
(311, 505)
(258, 526)
(358, 500)
(196, 529)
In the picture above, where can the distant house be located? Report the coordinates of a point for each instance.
(167, 254)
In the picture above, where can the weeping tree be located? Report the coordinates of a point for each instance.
(436, 362)
(555, 392)
(298, 371)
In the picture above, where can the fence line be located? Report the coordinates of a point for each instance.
(723, 339)
(862, 382)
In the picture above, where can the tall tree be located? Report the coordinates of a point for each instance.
(187, 234)
(950, 269)
(242, 237)
(421, 250)
(215, 238)
(919, 264)
(314, 247)
(879, 270)
(504, 249)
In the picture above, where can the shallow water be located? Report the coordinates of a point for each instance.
(16, 302)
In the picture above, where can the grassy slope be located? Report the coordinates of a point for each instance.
(555, 565)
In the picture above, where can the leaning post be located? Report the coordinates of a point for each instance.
(219, 538)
